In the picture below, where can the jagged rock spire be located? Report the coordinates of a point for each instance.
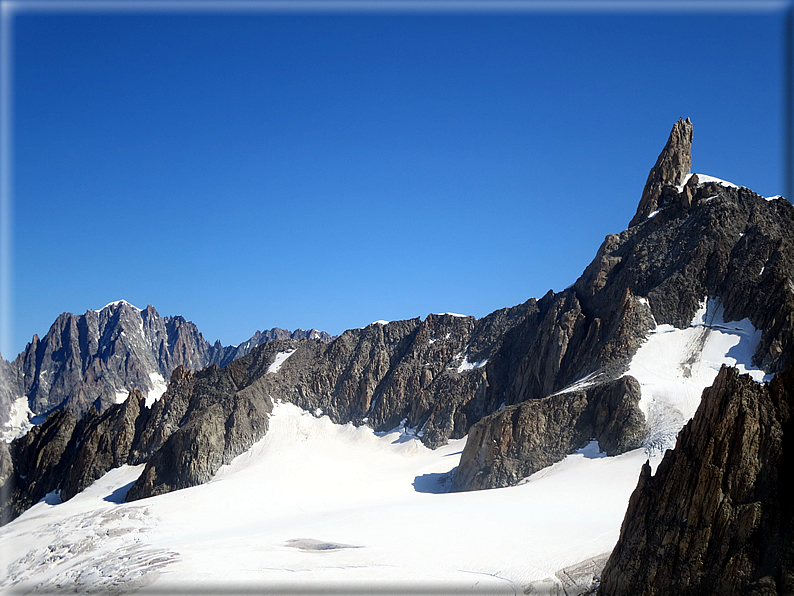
(671, 168)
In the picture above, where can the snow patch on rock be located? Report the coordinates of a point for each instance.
(159, 387)
(703, 178)
(116, 303)
(466, 365)
(19, 422)
(582, 383)
(280, 359)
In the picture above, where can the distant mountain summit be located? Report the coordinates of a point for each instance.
(96, 358)
(224, 355)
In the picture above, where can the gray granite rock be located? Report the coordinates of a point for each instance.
(105, 443)
(517, 441)
(40, 460)
(671, 168)
(718, 515)
(90, 359)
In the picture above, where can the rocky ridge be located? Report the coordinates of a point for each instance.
(509, 380)
(718, 515)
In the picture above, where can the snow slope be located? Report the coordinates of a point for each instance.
(673, 367)
(315, 505)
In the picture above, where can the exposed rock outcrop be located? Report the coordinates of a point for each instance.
(223, 355)
(204, 420)
(92, 359)
(224, 414)
(9, 389)
(40, 460)
(519, 440)
(671, 169)
(6, 465)
(105, 443)
(381, 375)
(580, 579)
(718, 515)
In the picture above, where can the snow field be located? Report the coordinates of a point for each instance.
(466, 365)
(311, 480)
(703, 178)
(159, 386)
(280, 359)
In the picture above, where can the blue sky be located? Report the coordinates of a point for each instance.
(253, 170)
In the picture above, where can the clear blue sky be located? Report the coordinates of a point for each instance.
(326, 170)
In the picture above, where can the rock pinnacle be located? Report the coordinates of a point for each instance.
(671, 168)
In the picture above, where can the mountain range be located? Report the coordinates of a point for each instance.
(95, 359)
(694, 297)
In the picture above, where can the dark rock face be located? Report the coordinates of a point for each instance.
(581, 579)
(10, 389)
(40, 459)
(105, 443)
(214, 415)
(86, 360)
(718, 515)
(671, 168)
(519, 440)
(418, 371)
(730, 243)
(222, 356)
(379, 375)
(203, 420)
(6, 465)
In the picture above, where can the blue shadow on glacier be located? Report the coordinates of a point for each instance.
(117, 496)
(435, 483)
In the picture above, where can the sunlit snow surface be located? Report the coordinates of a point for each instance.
(116, 302)
(266, 519)
(159, 386)
(316, 505)
(703, 178)
(673, 367)
(18, 422)
(157, 391)
(466, 365)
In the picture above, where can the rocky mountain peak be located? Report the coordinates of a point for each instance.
(671, 169)
(118, 304)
